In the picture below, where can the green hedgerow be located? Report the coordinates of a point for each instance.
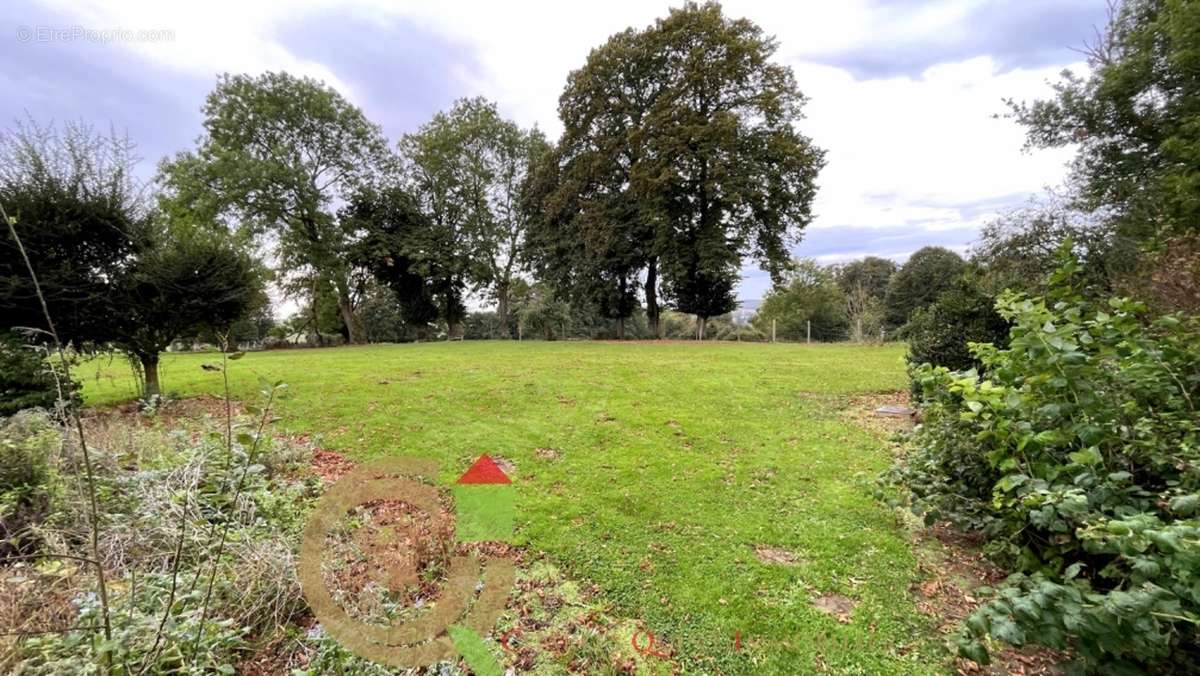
(1078, 455)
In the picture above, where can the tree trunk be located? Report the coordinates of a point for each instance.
(700, 323)
(353, 327)
(652, 313)
(502, 311)
(150, 375)
(620, 328)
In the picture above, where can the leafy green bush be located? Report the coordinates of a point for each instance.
(941, 333)
(1078, 455)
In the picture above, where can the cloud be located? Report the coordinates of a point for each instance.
(1013, 34)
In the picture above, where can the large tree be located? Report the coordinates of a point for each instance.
(732, 175)
(406, 252)
(1134, 117)
(679, 158)
(278, 154)
(466, 168)
(871, 274)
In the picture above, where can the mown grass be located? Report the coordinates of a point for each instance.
(661, 468)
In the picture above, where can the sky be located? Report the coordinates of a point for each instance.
(906, 97)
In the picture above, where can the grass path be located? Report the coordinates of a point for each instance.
(652, 470)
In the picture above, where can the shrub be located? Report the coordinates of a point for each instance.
(25, 380)
(28, 480)
(164, 494)
(1078, 455)
(941, 333)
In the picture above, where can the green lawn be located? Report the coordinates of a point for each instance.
(672, 462)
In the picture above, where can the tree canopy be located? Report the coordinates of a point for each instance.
(928, 272)
(679, 158)
(278, 154)
(1132, 118)
(80, 214)
(466, 169)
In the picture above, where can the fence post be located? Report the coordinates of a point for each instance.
(808, 332)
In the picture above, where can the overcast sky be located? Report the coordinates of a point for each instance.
(903, 93)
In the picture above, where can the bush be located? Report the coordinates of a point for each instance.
(941, 333)
(29, 483)
(25, 380)
(1078, 455)
(162, 499)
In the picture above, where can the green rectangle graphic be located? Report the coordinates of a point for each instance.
(485, 512)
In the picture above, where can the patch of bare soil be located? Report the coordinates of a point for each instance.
(840, 607)
(170, 413)
(507, 466)
(863, 410)
(395, 555)
(778, 557)
(953, 568)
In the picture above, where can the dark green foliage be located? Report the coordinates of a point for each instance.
(25, 377)
(74, 205)
(1133, 118)
(380, 315)
(1019, 250)
(941, 333)
(405, 251)
(183, 281)
(1078, 456)
(679, 158)
(919, 282)
(465, 170)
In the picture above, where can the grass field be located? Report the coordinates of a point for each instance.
(668, 464)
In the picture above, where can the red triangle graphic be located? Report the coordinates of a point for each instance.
(484, 471)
